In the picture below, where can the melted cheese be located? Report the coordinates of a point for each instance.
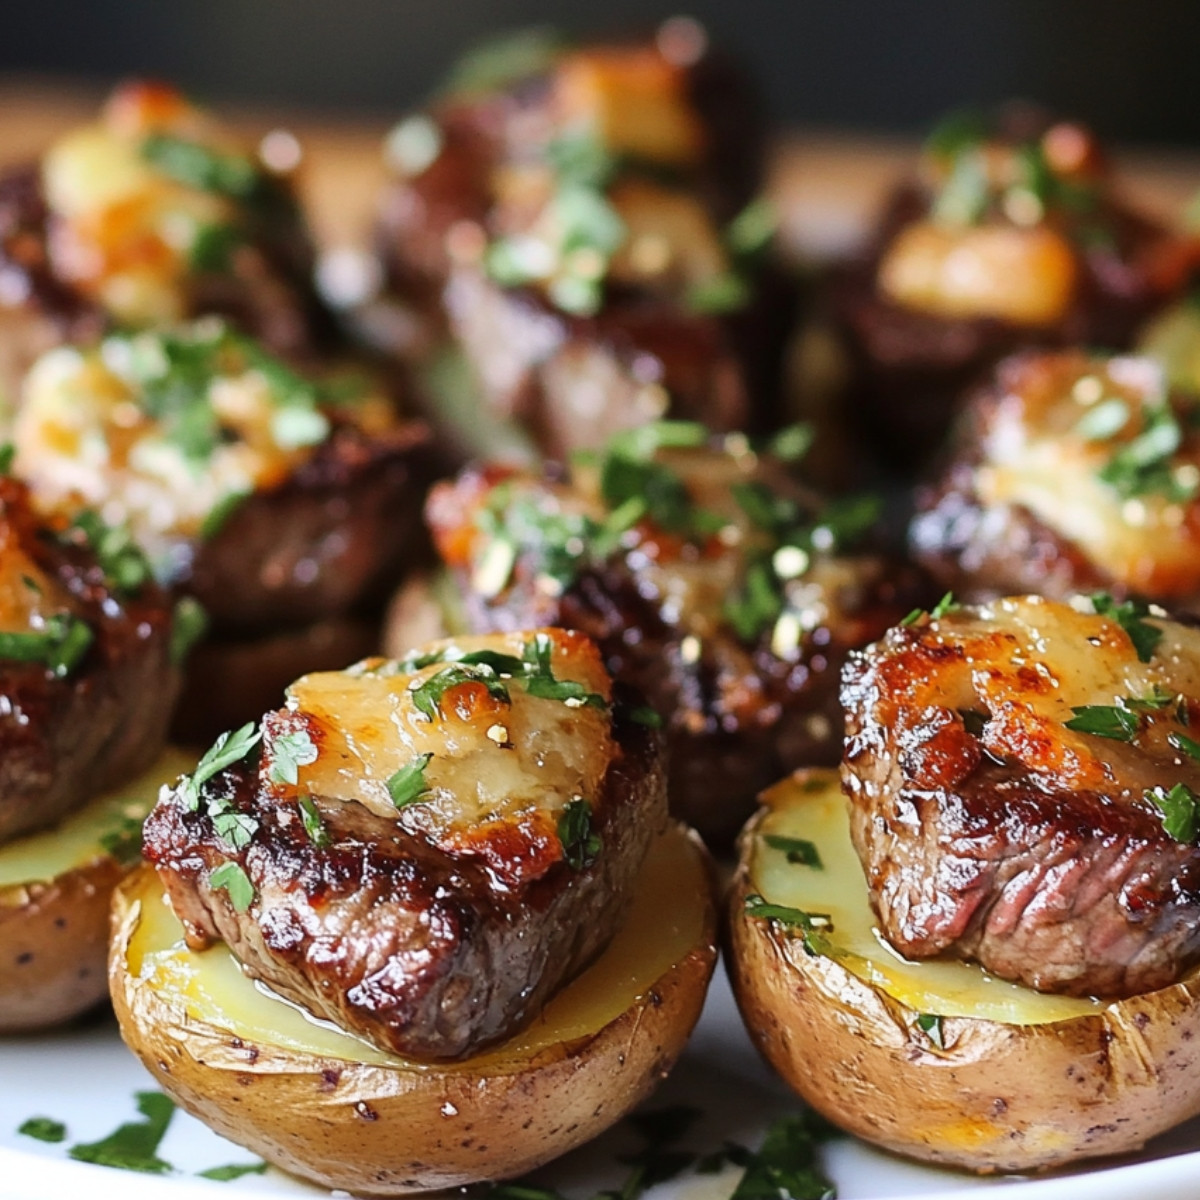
(125, 231)
(491, 761)
(1036, 456)
(816, 812)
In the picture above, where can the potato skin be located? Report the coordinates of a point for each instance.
(999, 1097)
(379, 1130)
(53, 944)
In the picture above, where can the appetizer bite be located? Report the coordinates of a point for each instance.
(1022, 787)
(150, 215)
(1014, 235)
(446, 860)
(285, 504)
(584, 218)
(1071, 472)
(88, 677)
(714, 582)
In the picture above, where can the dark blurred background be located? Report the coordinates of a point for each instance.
(871, 65)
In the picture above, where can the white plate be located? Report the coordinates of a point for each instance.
(87, 1079)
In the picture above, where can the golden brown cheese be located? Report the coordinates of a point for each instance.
(124, 231)
(501, 769)
(1029, 664)
(1052, 435)
(89, 434)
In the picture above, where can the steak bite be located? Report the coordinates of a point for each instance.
(1013, 235)
(588, 230)
(1071, 471)
(150, 215)
(275, 498)
(422, 851)
(714, 582)
(87, 674)
(1025, 791)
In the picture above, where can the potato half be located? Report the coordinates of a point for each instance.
(937, 1060)
(55, 890)
(331, 1108)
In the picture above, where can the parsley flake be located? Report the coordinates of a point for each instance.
(1180, 809)
(289, 752)
(408, 784)
(231, 878)
(233, 1171)
(1105, 720)
(1130, 615)
(813, 926)
(189, 623)
(581, 844)
(798, 850)
(1181, 741)
(314, 827)
(134, 1145)
(43, 1129)
(788, 1164)
(228, 749)
(427, 696)
(930, 1024)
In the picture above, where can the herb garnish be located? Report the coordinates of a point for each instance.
(124, 841)
(233, 826)
(930, 1024)
(203, 168)
(1180, 809)
(121, 559)
(314, 827)
(1180, 741)
(798, 850)
(228, 749)
(1142, 465)
(408, 784)
(581, 844)
(233, 1171)
(787, 1166)
(289, 752)
(44, 1129)
(643, 714)
(427, 697)
(231, 878)
(134, 1145)
(1130, 615)
(189, 623)
(59, 645)
(813, 926)
(1105, 720)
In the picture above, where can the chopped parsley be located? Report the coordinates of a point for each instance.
(798, 850)
(134, 1145)
(218, 516)
(289, 752)
(942, 608)
(1142, 466)
(189, 623)
(787, 1166)
(228, 749)
(231, 878)
(43, 1129)
(233, 826)
(59, 645)
(1130, 615)
(1113, 721)
(201, 167)
(427, 697)
(231, 1171)
(408, 784)
(123, 842)
(1181, 741)
(580, 842)
(120, 558)
(643, 714)
(314, 827)
(8, 452)
(1180, 809)
(813, 926)
(930, 1024)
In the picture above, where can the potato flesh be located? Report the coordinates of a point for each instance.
(209, 985)
(1034, 457)
(816, 811)
(75, 842)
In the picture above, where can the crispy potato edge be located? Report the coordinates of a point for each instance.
(994, 1097)
(382, 1130)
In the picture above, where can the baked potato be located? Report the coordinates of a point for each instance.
(332, 1108)
(55, 893)
(937, 1060)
